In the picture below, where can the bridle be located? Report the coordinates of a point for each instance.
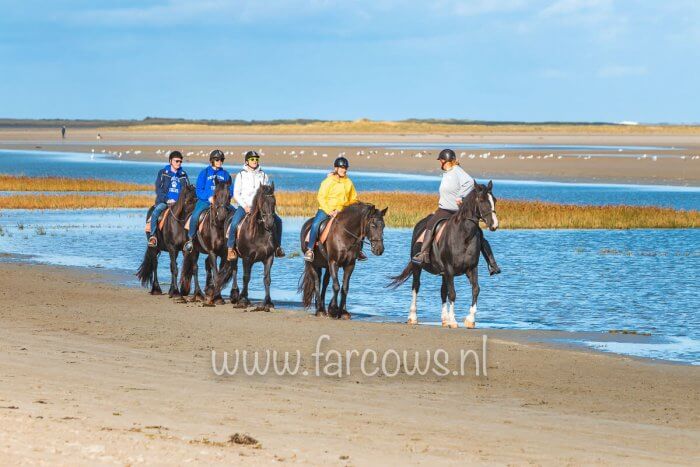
(366, 220)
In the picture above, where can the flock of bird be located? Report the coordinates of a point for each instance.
(368, 154)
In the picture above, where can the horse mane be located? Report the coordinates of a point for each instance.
(361, 207)
(468, 206)
(258, 203)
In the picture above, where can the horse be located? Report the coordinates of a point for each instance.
(255, 243)
(211, 240)
(340, 250)
(456, 253)
(171, 238)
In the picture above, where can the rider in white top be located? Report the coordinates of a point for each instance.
(245, 187)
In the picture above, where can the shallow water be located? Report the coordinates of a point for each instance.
(34, 163)
(641, 280)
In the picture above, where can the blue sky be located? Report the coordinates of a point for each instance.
(573, 60)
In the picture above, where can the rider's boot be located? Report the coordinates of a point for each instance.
(488, 256)
(152, 241)
(279, 252)
(423, 256)
(188, 246)
(362, 256)
(309, 255)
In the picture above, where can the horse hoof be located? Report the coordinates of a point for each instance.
(220, 301)
(412, 321)
(345, 315)
(469, 324)
(454, 325)
(445, 324)
(180, 300)
(156, 292)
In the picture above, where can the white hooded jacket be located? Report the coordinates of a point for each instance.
(246, 185)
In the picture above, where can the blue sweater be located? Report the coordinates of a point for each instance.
(206, 182)
(169, 183)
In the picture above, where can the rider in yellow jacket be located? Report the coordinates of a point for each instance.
(335, 194)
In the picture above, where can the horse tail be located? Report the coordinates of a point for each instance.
(188, 264)
(307, 284)
(148, 267)
(403, 277)
(225, 274)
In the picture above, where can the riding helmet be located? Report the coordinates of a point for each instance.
(174, 154)
(447, 155)
(251, 154)
(341, 162)
(216, 154)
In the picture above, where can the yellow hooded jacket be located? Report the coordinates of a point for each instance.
(336, 193)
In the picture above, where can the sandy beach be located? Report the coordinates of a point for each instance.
(93, 372)
(604, 166)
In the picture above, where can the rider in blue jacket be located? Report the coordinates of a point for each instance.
(206, 183)
(169, 182)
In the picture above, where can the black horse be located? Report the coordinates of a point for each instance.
(341, 250)
(255, 243)
(171, 238)
(455, 254)
(211, 241)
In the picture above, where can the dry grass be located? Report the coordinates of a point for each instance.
(365, 126)
(405, 209)
(21, 183)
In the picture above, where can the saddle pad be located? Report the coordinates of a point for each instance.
(161, 222)
(438, 234)
(238, 229)
(201, 221)
(324, 232)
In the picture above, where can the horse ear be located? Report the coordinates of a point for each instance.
(477, 187)
(383, 211)
(489, 187)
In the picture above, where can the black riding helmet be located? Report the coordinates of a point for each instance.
(174, 154)
(216, 154)
(341, 162)
(251, 154)
(447, 155)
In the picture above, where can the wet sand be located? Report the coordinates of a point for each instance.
(92, 372)
(669, 168)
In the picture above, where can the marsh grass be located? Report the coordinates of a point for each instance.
(405, 209)
(34, 184)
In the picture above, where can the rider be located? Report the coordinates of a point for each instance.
(169, 181)
(455, 185)
(206, 183)
(335, 194)
(246, 185)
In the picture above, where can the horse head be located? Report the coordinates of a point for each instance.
(486, 205)
(264, 205)
(375, 229)
(222, 200)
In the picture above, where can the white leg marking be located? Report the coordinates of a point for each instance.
(453, 321)
(445, 317)
(412, 316)
(470, 320)
(494, 218)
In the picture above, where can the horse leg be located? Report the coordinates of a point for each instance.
(347, 273)
(155, 288)
(173, 292)
(444, 315)
(321, 301)
(235, 293)
(197, 295)
(218, 299)
(415, 287)
(247, 267)
(207, 281)
(473, 276)
(267, 304)
(451, 296)
(212, 273)
(333, 307)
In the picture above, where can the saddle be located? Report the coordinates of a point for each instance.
(238, 229)
(437, 232)
(324, 228)
(200, 221)
(161, 220)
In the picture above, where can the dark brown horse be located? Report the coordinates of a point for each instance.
(171, 238)
(211, 241)
(456, 253)
(341, 250)
(256, 243)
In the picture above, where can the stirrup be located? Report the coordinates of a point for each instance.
(309, 256)
(152, 241)
(362, 256)
(231, 254)
(279, 252)
(188, 247)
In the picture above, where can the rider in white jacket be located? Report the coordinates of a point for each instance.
(245, 187)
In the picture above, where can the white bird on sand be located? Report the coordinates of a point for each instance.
(324, 155)
(653, 158)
